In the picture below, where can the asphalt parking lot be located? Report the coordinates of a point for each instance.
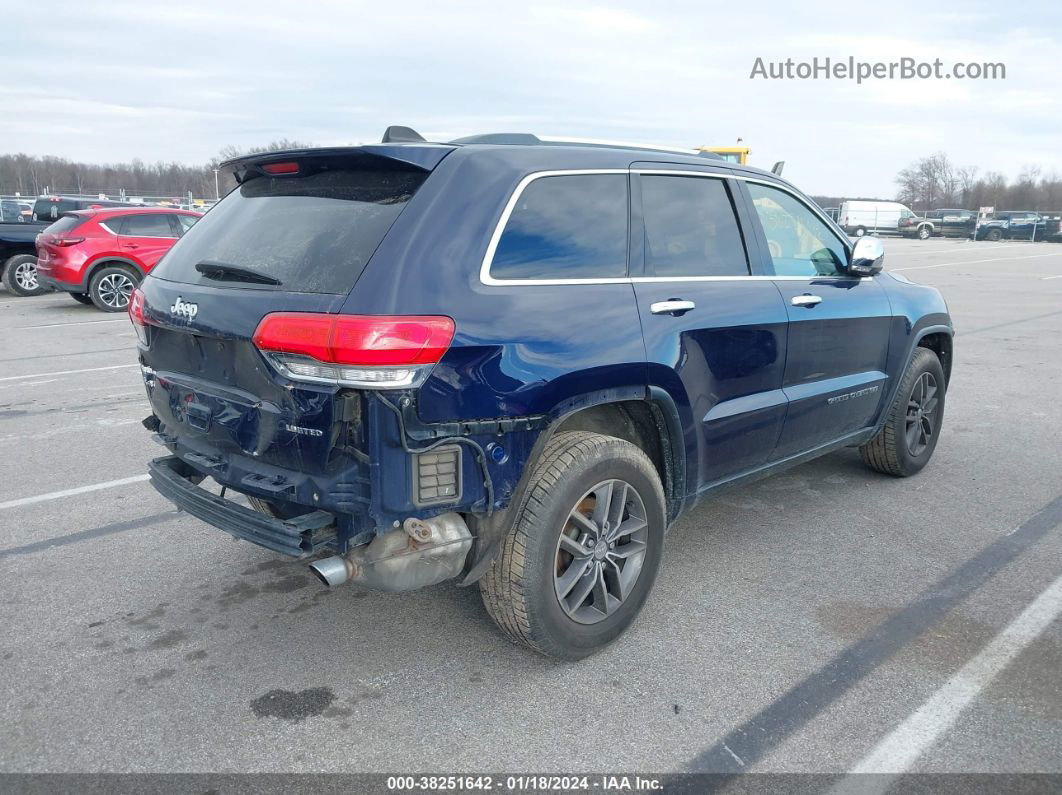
(812, 622)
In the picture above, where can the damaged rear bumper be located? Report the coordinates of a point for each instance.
(299, 537)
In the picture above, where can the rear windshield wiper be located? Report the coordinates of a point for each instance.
(234, 273)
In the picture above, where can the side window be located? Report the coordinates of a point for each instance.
(184, 223)
(799, 241)
(566, 227)
(690, 228)
(156, 225)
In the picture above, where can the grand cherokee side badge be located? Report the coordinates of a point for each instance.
(185, 308)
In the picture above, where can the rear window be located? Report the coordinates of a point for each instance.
(49, 210)
(65, 224)
(314, 234)
(566, 227)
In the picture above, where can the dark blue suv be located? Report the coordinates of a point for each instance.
(516, 361)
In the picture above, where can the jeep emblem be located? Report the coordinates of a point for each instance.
(185, 308)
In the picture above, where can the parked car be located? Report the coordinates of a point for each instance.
(858, 218)
(47, 209)
(515, 363)
(1017, 225)
(833, 212)
(99, 256)
(11, 212)
(945, 222)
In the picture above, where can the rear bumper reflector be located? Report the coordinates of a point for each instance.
(299, 537)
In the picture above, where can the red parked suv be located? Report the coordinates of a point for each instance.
(99, 256)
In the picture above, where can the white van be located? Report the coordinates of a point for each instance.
(858, 218)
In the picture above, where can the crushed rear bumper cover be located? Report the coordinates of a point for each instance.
(299, 537)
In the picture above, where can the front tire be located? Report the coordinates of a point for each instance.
(912, 426)
(584, 549)
(859, 231)
(111, 287)
(20, 275)
(994, 235)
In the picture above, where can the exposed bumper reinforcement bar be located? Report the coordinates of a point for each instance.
(299, 537)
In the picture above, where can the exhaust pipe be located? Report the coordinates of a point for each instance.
(423, 552)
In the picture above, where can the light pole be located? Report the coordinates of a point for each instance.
(217, 191)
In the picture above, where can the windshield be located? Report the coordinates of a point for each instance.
(310, 234)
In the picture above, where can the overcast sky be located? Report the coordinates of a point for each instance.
(179, 80)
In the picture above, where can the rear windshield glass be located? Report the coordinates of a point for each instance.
(49, 210)
(64, 224)
(312, 234)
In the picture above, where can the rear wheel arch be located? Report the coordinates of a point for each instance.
(113, 262)
(650, 424)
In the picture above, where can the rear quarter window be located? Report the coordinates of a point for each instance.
(312, 233)
(565, 227)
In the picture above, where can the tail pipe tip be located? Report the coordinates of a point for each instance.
(332, 571)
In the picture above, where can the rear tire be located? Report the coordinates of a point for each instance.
(20, 276)
(924, 233)
(859, 231)
(912, 426)
(994, 235)
(111, 287)
(534, 590)
(82, 298)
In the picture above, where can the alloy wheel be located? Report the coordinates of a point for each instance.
(26, 276)
(600, 551)
(114, 290)
(922, 414)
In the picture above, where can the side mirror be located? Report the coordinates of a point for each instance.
(868, 257)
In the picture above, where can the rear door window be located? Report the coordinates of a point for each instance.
(312, 233)
(154, 225)
(691, 228)
(566, 227)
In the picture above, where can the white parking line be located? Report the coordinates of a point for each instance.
(67, 372)
(975, 261)
(902, 747)
(1045, 278)
(55, 495)
(914, 252)
(77, 323)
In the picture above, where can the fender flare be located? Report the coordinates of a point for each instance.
(914, 340)
(102, 262)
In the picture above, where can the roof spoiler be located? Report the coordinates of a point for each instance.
(421, 158)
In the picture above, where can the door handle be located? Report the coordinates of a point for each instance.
(131, 245)
(672, 306)
(807, 300)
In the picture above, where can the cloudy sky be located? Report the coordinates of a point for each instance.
(180, 80)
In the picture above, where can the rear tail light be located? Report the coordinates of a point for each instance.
(365, 351)
(137, 316)
(66, 241)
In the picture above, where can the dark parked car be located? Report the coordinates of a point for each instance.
(944, 223)
(18, 257)
(1017, 225)
(47, 209)
(516, 363)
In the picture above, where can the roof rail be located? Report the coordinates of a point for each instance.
(527, 139)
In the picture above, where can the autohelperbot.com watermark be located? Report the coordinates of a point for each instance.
(851, 69)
